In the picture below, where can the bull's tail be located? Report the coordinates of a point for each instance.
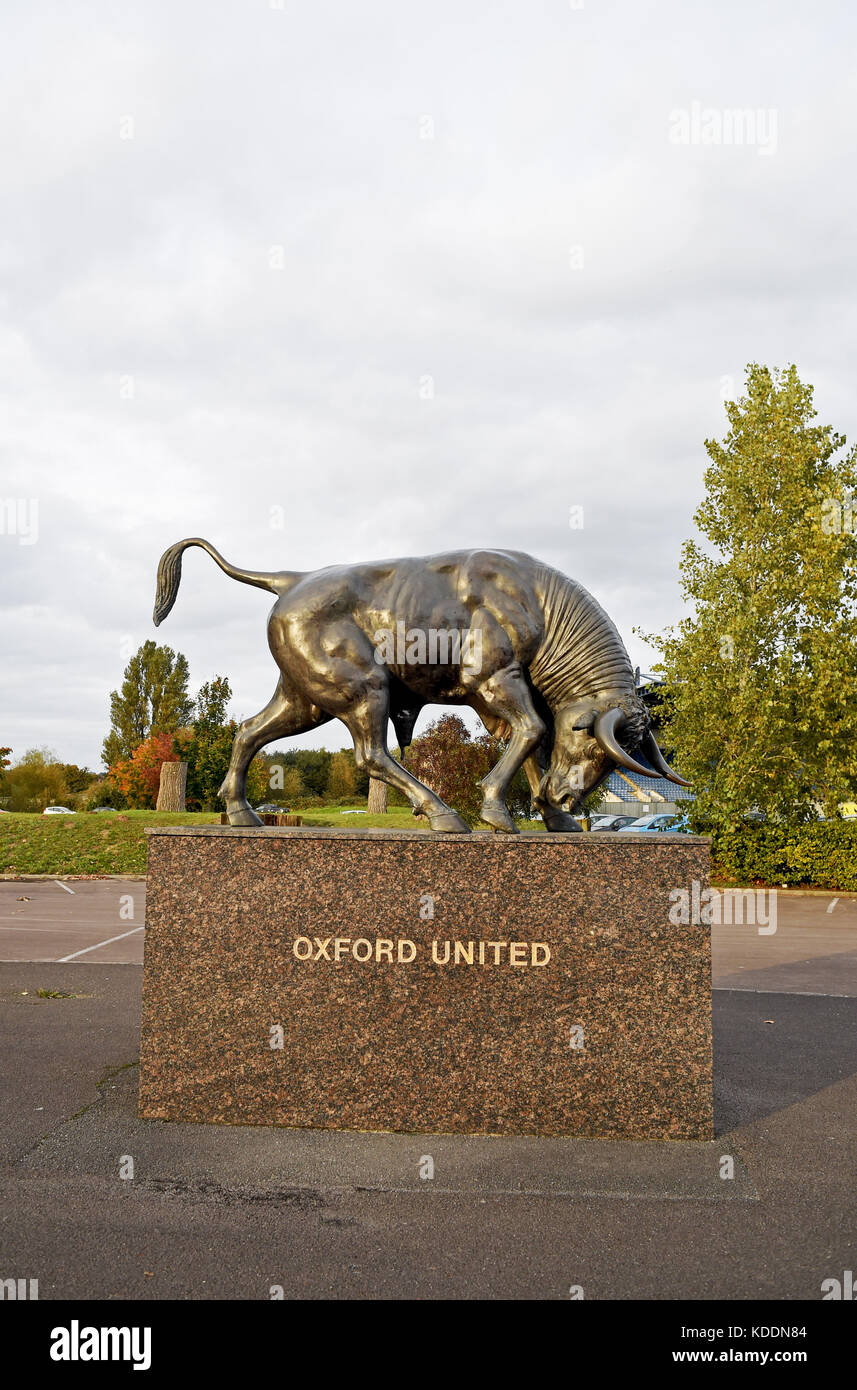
(170, 573)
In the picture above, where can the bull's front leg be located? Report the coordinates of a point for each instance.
(555, 819)
(506, 697)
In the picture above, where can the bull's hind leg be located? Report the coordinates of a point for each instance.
(367, 724)
(287, 713)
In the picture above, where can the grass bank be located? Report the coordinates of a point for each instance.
(87, 843)
(84, 843)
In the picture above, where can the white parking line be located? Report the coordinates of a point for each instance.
(833, 904)
(62, 960)
(64, 885)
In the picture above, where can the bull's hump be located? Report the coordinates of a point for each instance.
(416, 586)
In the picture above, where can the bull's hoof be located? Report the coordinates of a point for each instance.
(244, 815)
(495, 814)
(448, 823)
(560, 822)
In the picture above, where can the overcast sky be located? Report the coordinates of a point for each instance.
(326, 282)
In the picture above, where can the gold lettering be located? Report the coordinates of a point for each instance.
(364, 948)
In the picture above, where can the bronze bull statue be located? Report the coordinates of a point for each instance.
(530, 650)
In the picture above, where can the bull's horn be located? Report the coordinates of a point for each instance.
(605, 732)
(651, 750)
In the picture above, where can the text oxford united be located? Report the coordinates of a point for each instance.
(401, 951)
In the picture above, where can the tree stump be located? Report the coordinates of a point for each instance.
(171, 793)
(377, 804)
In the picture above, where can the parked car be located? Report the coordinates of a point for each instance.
(99, 810)
(649, 824)
(611, 822)
(352, 813)
(57, 811)
(269, 809)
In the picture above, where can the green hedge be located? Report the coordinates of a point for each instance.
(821, 854)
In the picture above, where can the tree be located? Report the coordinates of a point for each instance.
(209, 746)
(77, 779)
(105, 793)
(5, 760)
(282, 784)
(212, 703)
(760, 679)
(341, 783)
(257, 782)
(36, 781)
(171, 790)
(376, 803)
(153, 699)
(292, 787)
(138, 778)
(313, 765)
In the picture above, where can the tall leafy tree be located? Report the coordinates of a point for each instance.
(760, 693)
(153, 699)
(313, 765)
(207, 748)
(212, 703)
(77, 779)
(293, 787)
(341, 782)
(210, 747)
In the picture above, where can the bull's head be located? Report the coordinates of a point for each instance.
(592, 736)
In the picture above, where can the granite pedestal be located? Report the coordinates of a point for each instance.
(471, 984)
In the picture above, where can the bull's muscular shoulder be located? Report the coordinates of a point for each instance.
(502, 583)
(508, 571)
